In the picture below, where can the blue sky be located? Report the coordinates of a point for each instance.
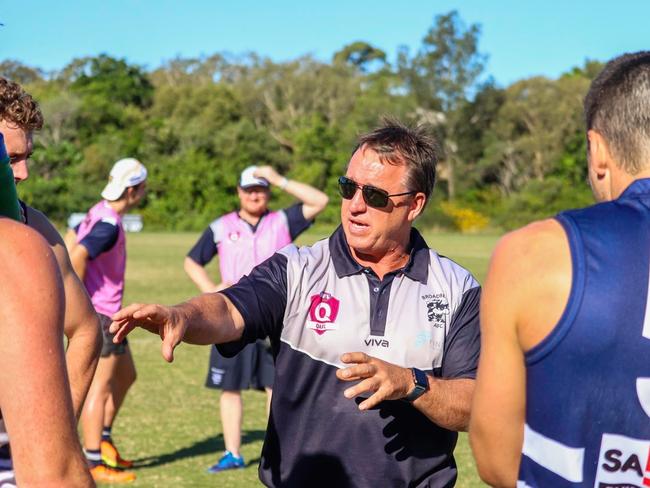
(522, 38)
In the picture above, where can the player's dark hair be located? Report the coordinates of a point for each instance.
(617, 106)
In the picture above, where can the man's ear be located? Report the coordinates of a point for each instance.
(599, 158)
(417, 206)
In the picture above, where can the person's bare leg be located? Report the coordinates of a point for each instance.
(34, 388)
(269, 396)
(231, 418)
(92, 416)
(123, 379)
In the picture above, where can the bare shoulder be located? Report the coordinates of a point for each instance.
(539, 245)
(22, 247)
(529, 267)
(40, 223)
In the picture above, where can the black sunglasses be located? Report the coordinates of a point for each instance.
(374, 197)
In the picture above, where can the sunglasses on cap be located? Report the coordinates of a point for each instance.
(374, 197)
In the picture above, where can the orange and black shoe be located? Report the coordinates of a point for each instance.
(112, 458)
(105, 474)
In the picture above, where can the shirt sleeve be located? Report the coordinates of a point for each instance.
(101, 238)
(463, 342)
(296, 220)
(261, 298)
(205, 248)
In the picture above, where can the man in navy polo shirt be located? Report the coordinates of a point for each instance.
(375, 335)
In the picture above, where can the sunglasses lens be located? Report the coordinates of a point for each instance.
(347, 187)
(375, 197)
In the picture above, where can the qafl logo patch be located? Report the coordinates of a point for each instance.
(233, 236)
(323, 310)
(437, 309)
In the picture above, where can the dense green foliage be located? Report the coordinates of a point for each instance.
(511, 154)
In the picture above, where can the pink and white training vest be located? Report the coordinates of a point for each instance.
(104, 278)
(240, 249)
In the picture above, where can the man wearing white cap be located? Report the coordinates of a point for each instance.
(98, 253)
(243, 239)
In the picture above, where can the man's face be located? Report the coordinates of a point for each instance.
(19, 148)
(254, 199)
(136, 195)
(376, 231)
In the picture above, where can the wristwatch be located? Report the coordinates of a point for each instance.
(421, 385)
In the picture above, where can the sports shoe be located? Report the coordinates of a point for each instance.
(227, 461)
(106, 474)
(112, 458)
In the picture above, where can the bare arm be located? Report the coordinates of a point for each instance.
(446, 403)
(210, 318)
(79, 260)
(81, 325)
(313, 200)
(528, 267)
(200, 276)
(34, 390)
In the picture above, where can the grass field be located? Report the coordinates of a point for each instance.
(168, 423)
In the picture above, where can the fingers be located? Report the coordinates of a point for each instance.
(368, 385)
(356, 372)
(355, 357)
(126, 312)
(121, 330)
(374, 400)
(167, 349)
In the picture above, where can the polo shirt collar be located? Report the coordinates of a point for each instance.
(416, 269)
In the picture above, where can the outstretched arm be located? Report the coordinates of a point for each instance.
(81, 325)
(313, 200)
(207, 319)
(34, 390)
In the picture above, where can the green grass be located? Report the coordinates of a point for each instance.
(169, 422)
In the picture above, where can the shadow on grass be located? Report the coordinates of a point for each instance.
(210, 445)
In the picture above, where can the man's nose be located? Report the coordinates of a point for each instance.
(358, 204)
(21, 172)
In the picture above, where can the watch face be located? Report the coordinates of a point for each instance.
(420, 378)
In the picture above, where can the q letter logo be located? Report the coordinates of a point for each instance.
(322, 313)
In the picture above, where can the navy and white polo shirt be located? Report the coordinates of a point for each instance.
(316, 303)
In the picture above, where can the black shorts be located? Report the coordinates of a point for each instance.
(251, 368)
(108, 347)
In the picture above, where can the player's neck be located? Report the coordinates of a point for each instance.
(120, 206)
(251, 218)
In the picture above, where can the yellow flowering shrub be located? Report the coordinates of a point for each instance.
(465, 219)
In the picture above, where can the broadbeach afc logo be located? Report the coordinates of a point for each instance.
(623, 462)
(437, 309)
(322, 313)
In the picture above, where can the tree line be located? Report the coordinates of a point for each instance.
(511, 154)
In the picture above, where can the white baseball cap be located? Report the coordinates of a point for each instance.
(125, 173)
(247, 179)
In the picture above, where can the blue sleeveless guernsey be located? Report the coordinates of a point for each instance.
(588, 382)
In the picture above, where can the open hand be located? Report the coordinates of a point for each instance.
(268, 173)
(168, 322)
